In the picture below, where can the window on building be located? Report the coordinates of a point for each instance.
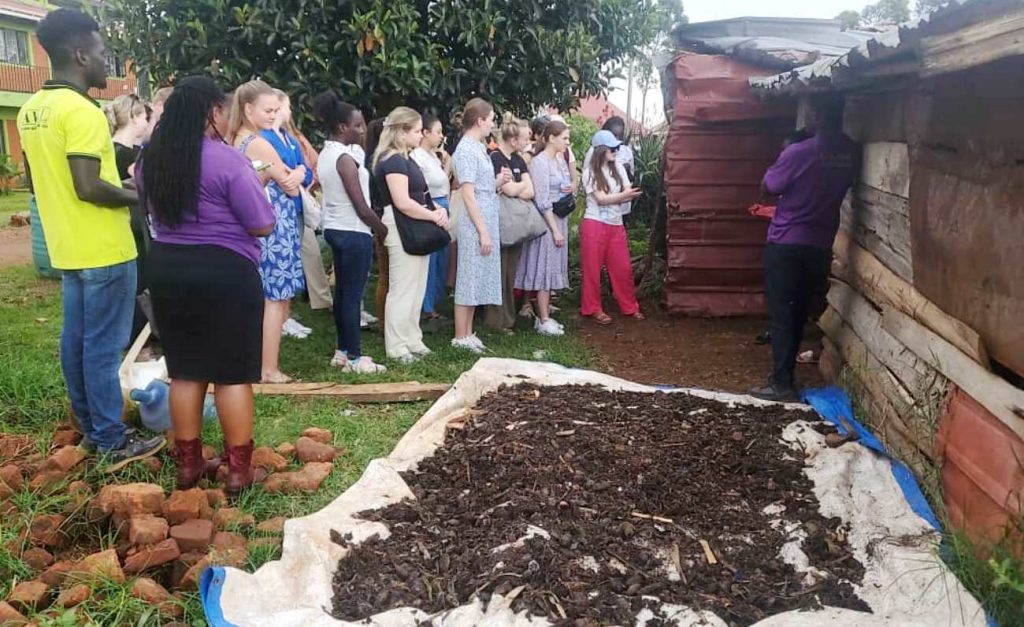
(115, 66)
(13, 46)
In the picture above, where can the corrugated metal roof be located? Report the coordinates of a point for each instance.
(896, 43)
(771, 42)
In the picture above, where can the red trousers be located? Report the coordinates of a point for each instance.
(604, 245)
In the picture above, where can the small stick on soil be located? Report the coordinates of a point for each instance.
(708, 553)
(661, 519)
(677, 562)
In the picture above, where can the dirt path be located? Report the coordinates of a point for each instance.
(15, 246)
(715, 353)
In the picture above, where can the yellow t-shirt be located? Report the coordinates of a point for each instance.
(59, 122)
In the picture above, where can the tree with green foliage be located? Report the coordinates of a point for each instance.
(377, 54)
(849, 19)
(886, 13)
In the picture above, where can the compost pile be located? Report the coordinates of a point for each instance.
(623, 499)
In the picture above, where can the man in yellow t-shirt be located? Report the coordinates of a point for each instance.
(69, 158)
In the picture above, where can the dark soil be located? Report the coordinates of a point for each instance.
(714, 353)
(591, 467)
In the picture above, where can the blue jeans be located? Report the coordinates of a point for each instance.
(353, 254)
(98, 308)
(437, 275)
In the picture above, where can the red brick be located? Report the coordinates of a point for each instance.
(229, 549)
(149, 591)
(216, 497)
(130, 499)
(79, 487)
(306, 480)
(209, 453)
(309, 450)
(10, 616)
(151, 556)
(54, 575)
(272, 525)
(75, 595)
(37, 559)
(12, 446)
(285, 449)
(45, 530)
(7, 508)
(30, 595)
(191, 578)
(320, 435)
(65, 437)
(102, 565)
(146, 529)
(65, 458)
(153, 464)
(184, 505)
(45, 479)
(10, 479)
(266, 458)
(233, 518)
(193, 535)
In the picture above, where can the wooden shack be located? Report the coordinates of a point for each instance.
(924, 325)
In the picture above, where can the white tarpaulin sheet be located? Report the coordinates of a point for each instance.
(905, 583)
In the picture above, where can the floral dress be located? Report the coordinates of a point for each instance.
(280, 259)
(478, 278)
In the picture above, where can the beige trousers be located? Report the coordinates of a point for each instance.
(407, 284)
(317, 285)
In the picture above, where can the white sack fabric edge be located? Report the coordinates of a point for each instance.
(905, 583)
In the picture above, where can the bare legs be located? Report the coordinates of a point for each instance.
(543, 305)
(275, 312)
(235, 408)
(464, 321)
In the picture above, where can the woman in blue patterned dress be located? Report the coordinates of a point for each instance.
(255, 108)
(478, 273)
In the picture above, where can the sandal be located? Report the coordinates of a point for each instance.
(602, 318)
(638, 316)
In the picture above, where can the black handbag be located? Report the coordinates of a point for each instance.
(564, 206)
(420, 237)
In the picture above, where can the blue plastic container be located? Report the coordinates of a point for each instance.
(154, 406)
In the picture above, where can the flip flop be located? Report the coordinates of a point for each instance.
(638, 316)
(602, 318)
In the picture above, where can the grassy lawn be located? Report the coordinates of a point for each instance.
(12, 203)
(33, 402)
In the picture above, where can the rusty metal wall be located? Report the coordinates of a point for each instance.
(721, 141)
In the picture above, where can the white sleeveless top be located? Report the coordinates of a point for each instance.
(338, 211)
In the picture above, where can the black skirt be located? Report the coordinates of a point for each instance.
(208, 305)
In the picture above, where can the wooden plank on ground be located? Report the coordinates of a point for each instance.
(1005, 401)
(869, 275)
(402, 392)
(887, 167)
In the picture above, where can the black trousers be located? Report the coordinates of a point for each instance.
(794, 277)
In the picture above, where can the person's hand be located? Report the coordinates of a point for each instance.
(440, 218)
(633, 192)
(559, 238)
(486, 246)
(380, 231)
(298, 175)
(290, 188)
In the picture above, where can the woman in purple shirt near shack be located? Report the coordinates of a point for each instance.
(208, 208)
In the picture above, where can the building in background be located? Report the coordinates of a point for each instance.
(24, 67)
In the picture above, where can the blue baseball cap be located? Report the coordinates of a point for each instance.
(605, 138)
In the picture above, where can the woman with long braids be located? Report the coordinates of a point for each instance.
(208, 209)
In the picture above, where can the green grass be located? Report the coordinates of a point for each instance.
(33, 401)
(12, 203)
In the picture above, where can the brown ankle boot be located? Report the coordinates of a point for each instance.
(241, 474)
(191, 465)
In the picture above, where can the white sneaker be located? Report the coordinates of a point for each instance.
(365, 365)
(293, 330)
(406, 359)
(422, 351)
(340, 360)
(526, 311)
(366, 319)
(299, 326)
(469, 343)
(548, 327)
